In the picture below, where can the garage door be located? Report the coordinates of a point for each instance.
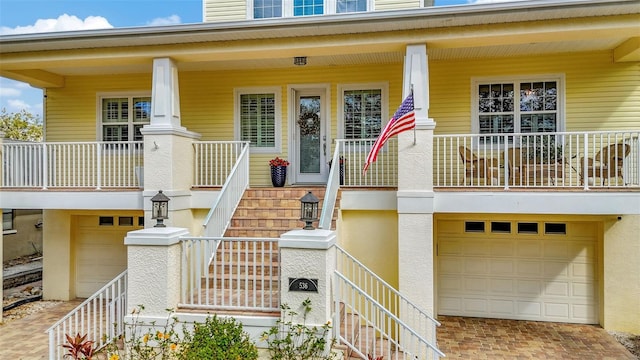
(100, 252)
(518, 270)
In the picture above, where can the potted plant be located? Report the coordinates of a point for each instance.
(278, 171)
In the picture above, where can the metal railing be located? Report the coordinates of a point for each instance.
(374, 304)
(243, 274)
(331, 191)
(92, 165)
(214, 161)
(603, 159)
(236, 183)
(100, 317)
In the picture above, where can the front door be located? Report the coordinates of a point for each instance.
(310, 137)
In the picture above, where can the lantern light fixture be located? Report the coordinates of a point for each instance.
(309, 210)
(160, 208)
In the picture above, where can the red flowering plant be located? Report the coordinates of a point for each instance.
(278, 162)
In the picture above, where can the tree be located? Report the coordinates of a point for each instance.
(21, 125)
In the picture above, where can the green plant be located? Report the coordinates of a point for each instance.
(217, 338)
(145, 341)
(294, 341)
(79, 347)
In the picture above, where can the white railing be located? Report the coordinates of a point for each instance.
(244, 274)
(609, 159)
(375, 304)
(331, 192)
(353, 153)
(237, 181)
(93, 165)
(214, 161)
(100, 317)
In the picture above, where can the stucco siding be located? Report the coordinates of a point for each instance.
(600, 94)
(224, 10)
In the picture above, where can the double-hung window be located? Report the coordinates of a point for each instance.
(257, 114)
(517, 106)
(263, 9)
(361, 110)
(122, 117)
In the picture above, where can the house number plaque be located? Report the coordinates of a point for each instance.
(303, 284)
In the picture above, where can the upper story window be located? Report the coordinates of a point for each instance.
(257, 114)
(361, 110)
(122, 117)
(518, 106)
(263, 9)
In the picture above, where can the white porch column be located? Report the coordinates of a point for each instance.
(309, 256)
(168, 147)
(415, 188)
(154, 263)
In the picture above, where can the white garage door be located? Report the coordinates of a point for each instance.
(518, 270)
(100, 251)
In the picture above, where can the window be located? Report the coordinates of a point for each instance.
(257, 114)
(517, 106)
(118, 122)
(474, 226)
(105, 221)
(308, 7)
(555, 228)
(500, 227)
(264, 9)
(7, 219)
(361, 110)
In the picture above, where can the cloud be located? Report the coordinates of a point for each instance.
(9, 92)
(169, 20)
(62, 23)
(17, 105)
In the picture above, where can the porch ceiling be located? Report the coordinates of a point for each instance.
(465, 32)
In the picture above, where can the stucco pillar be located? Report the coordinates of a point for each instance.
(621, 288)
(308, 255)
(154, 263)
(415, 189)
(168, 148)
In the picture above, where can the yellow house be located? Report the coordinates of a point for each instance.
(517, 196)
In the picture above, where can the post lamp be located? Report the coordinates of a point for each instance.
(160, 208)
(309, 210)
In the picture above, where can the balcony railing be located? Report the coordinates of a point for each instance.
(558, 160)
(92, 165)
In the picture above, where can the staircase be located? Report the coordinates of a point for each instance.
(270, 212)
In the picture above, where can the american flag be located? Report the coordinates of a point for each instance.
(404, 119)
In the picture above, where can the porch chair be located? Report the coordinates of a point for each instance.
(478, 167)
(606, 164)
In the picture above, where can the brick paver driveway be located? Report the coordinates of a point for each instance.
(478, 338)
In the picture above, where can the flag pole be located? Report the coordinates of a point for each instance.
(414, 107)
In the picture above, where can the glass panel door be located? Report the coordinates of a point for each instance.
(311, 140)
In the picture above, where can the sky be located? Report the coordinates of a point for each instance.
(35, 16)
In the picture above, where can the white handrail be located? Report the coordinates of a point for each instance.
(384, 296)
(388, 326)
(331, 192)
(100, 317)
(234, 186)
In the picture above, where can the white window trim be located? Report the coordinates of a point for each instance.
(287, 8)
(384, 90)
(277, 92)
(559, 78)
(114, 94)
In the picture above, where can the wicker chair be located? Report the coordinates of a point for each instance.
(477, 167)
(607, 164)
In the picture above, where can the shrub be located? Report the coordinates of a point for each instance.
(217, 339)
